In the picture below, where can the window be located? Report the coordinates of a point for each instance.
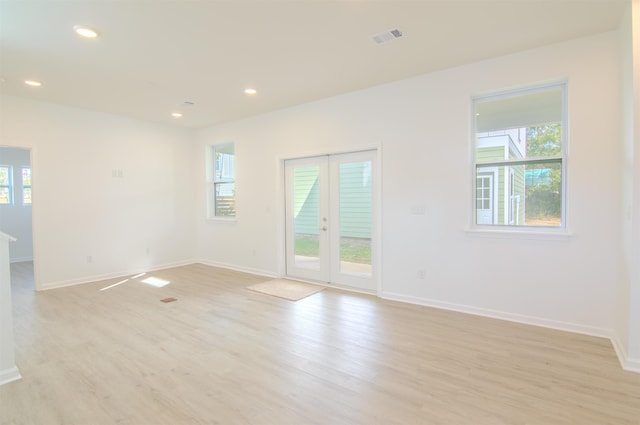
(26, 185)
(520, 158)
(223, 194)
(6, 185)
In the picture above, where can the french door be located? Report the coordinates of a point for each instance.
(330, 219)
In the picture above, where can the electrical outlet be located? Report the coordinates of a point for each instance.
(422, 274)
(89, 259)
(418, 209)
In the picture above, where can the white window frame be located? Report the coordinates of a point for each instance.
(562, 159)
(10, 185)
(212, 181)
(513, 214)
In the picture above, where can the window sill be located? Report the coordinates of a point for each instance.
(531, 234)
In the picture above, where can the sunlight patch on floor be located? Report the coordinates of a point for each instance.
(114, 285)
(155, 281)
(152, 281)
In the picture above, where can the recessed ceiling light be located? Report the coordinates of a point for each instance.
(250, 91)
(84, 31)
(176, 114)
(33, 83)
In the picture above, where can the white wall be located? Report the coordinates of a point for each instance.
(80, 210)
(422, 127)
(15, 219)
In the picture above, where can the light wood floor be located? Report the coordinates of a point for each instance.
(222, 354)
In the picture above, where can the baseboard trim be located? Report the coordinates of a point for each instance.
(621, 353)
(632, 365)
(21, 259)
(496, 314)
(236, 268)
(9, 375)
(629, 364)
(116, 275)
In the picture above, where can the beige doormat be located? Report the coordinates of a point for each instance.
(288, 289)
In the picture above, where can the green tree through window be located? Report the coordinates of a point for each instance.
(543, 194)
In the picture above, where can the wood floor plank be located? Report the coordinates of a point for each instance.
(222, 354)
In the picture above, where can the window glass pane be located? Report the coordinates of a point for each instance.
(5, 176)
(544, 140)
(519, 110)
(5, 195)
(26, 196)
(524, 195)
(224, 166)
(543, 196)
(26, 176)
(223, 175)
(500, 145)
(225, 199)
(515, 143)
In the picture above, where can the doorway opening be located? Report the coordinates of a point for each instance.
(16, 217)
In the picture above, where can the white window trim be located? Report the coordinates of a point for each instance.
(520, 231)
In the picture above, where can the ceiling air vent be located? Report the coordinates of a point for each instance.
(386, 36)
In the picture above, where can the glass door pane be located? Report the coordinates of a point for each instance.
(306, 217)
(355, 204)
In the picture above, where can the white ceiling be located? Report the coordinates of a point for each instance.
(152, 55)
